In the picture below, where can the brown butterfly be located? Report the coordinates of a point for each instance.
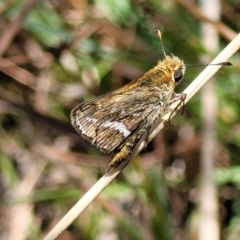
(117, 122)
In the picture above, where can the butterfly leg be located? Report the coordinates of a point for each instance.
(177, 97)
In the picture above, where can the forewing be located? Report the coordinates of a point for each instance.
(107, 121)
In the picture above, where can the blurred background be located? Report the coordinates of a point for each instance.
(57, 54)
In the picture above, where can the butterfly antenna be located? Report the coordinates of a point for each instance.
(210, 64)
(160, 37)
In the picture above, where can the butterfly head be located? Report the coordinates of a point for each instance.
(173, 68)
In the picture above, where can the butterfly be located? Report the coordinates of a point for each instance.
(117, 122)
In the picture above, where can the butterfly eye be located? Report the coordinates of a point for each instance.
(178, 74)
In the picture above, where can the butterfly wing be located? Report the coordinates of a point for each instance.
(107, 128)
(107, 121)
